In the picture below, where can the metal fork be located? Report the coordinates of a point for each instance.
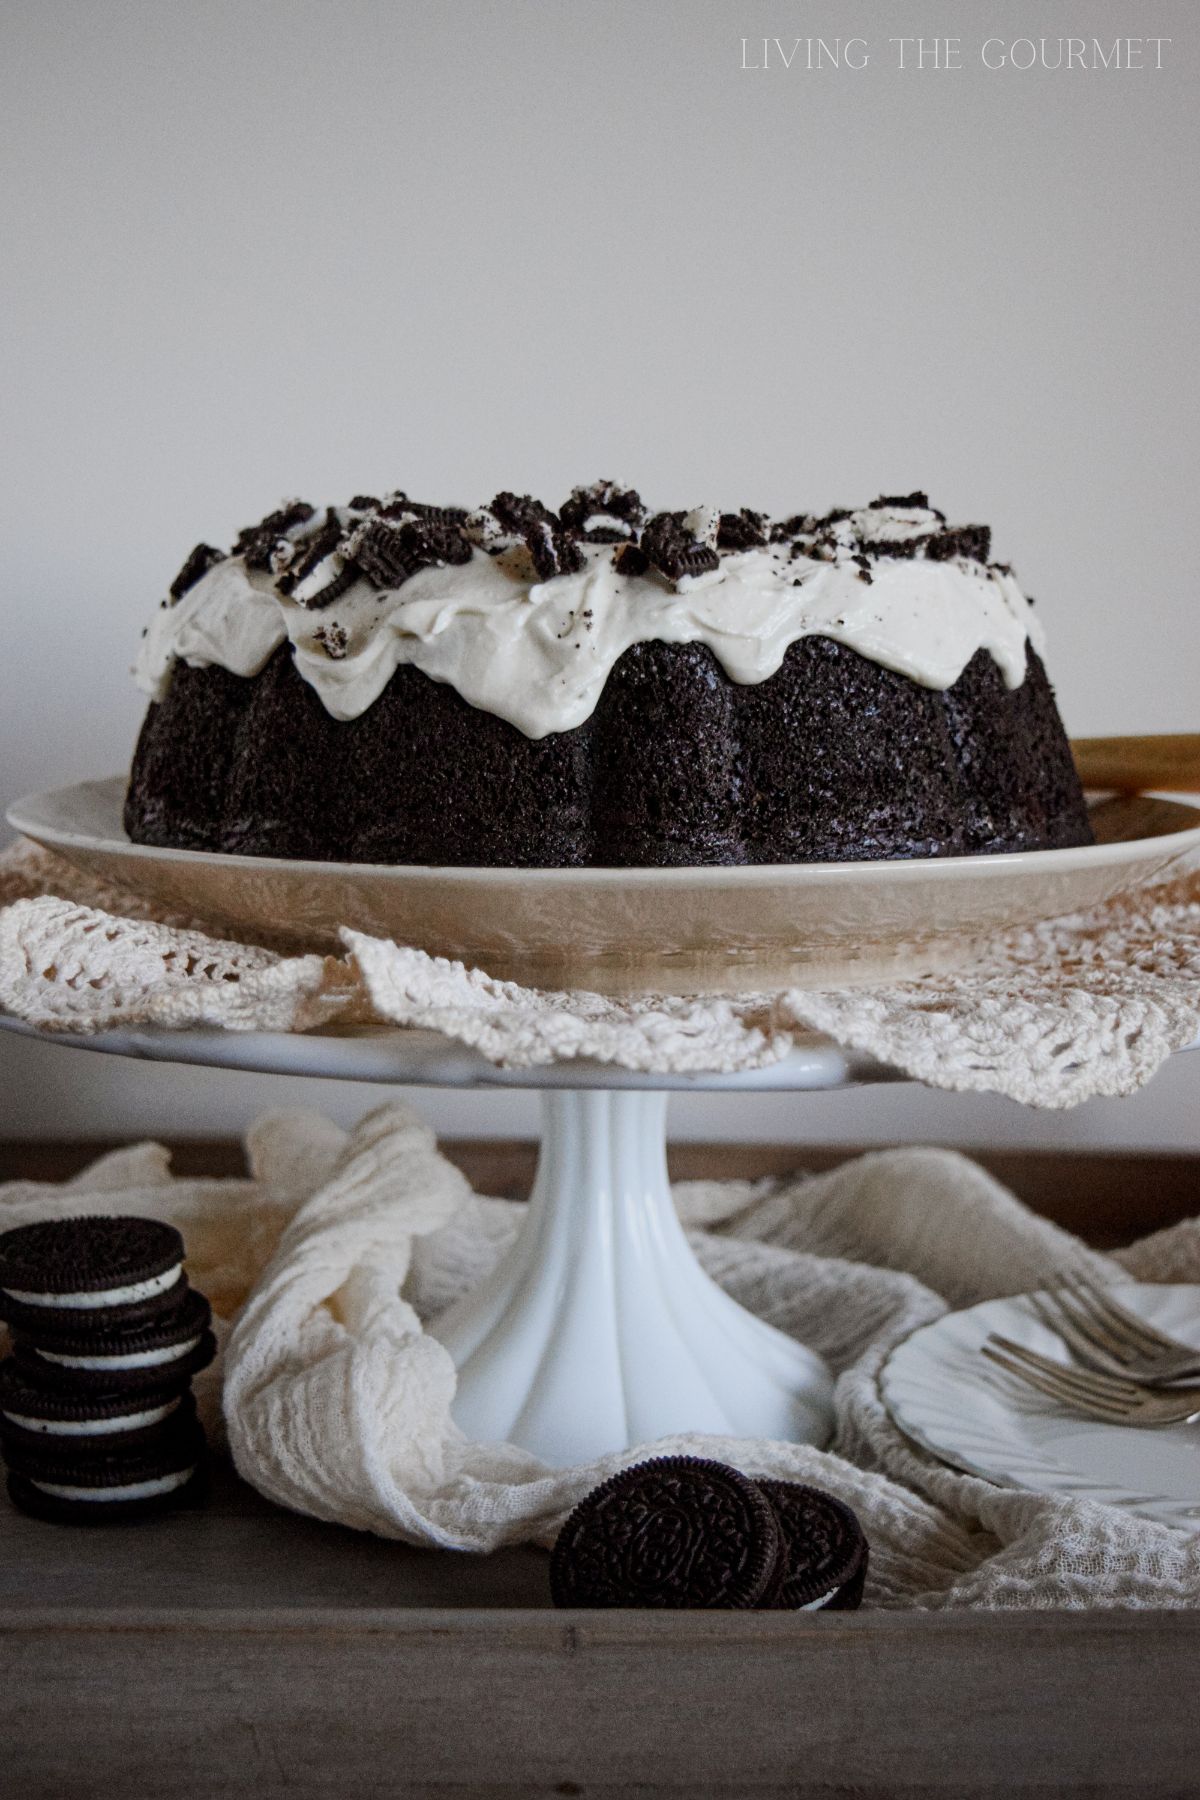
(1111, 1398)
(1105, 1335)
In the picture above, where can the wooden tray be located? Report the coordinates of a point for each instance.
(241, 1649)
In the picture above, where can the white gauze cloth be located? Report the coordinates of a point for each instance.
(1085, 1005)
(325, 1262)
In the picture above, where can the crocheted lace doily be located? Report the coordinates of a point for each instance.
(1084, 1005)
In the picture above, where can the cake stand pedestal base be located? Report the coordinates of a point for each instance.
(598, 1329)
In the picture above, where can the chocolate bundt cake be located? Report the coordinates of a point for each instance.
(393, 682)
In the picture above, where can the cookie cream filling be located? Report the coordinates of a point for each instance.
(538, 652)
(816, 1605)
(114, 1296)
(131, 1359)
(130, 1490)
(152, 1415)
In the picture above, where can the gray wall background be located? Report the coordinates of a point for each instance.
(257, 247)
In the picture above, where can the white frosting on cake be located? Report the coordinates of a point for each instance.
(538, 653)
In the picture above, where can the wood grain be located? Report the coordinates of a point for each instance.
(1137, 765)
(1106, 1197)
(379, 1704)
(240, 1649)
(235, 1648)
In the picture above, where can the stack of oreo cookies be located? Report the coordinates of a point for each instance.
(97, 1418)
(682, 1531)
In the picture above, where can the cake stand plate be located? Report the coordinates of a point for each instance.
(630, 931)
(598, 1330)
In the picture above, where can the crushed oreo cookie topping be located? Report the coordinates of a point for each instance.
(490, 601)
(333, 639)
(554, 550)
(604, 513)
(201, 560)
(744, 530)
(256, 542)
(390, 549)
(671, 546)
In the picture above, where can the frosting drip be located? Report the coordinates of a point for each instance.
(537, 651)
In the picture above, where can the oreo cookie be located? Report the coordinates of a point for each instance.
(202, 559)
(37, 1415)
(679, 1531)
(85, 1274)
(74, 1488)
(256, 543)
(553, 549)
(744, 530)
(390, 549)
(603, 513)
(670, 546)
(134, 1359)
(826, 1552)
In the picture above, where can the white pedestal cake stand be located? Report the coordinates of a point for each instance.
(599, 1329)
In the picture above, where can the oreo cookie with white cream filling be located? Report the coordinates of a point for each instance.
(82, 1487)
(36, 1414)
(826, 1551)
(123, 1360)
(89, 1274)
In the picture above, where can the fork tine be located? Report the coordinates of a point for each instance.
(1074, 1317)
(1053, 1389)
(1083, 1340)
(1087, 1381)
(1117, 1318)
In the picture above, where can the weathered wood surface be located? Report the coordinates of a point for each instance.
(1108, 1197)
(240, 1649)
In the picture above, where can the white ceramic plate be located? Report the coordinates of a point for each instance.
(968, 1412)
(629, 931)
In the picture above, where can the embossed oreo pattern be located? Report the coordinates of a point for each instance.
(675, 1532)
(825, 1550)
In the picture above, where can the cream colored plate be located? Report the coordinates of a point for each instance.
(947, 1397)
(628, 931)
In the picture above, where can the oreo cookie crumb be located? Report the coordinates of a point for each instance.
(671, 548)
(552, 548)
(391, 548)
(202, 559)
(604, 513)
(256, 542)
(744, 530)
(401, 507)
(630, 559)
(333, 640)
(917, 501)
